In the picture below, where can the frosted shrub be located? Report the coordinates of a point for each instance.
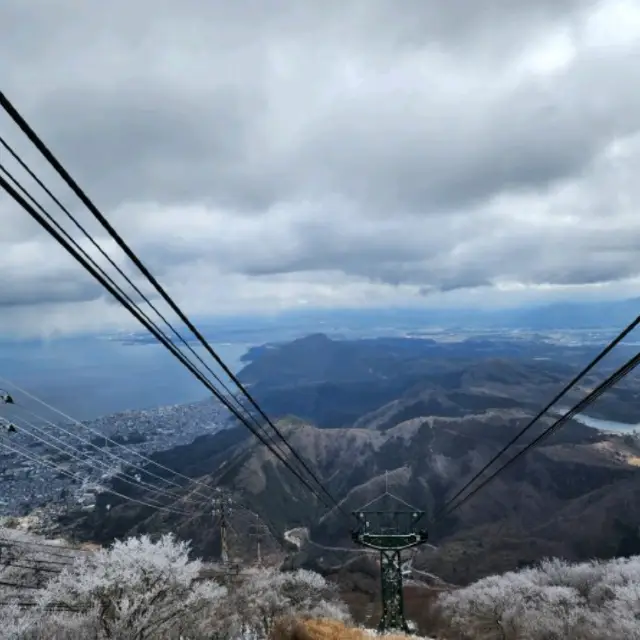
(36, 625)
(555, 601)
(268, 595)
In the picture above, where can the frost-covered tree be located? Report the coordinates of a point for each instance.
(554, 601)
(137, 589)
(145, 590)
(268, 595)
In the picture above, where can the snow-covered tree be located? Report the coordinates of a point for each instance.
(137, 589)
(554, 601)
(268, 595)
(141, 589)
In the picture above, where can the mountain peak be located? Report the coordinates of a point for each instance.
(313, 339)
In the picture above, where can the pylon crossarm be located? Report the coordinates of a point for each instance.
(390, 542)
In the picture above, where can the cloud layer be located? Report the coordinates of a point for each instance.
(263, 155)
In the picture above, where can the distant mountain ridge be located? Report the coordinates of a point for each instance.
(333, 383)
(422, 417)
(565, 316)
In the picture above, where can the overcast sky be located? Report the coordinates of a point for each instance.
(267, 154)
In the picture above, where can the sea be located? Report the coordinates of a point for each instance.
(88, 378)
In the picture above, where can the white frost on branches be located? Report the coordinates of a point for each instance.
(141, 589)
(554, 601)
(268, 595)
(136, 586)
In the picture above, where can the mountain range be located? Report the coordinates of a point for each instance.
(333, 383)
(415, 418)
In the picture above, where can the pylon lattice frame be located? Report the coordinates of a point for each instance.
(390, 532)
(222, 509)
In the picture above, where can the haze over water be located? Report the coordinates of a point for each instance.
(90, 377)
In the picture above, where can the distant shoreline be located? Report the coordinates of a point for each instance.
(605, 426)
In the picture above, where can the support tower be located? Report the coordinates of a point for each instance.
(221, 511)
(390, 532)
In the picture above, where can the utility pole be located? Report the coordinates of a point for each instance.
(258, 531)
(390, 533)
(222, 510)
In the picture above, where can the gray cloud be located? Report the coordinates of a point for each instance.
(339, 151)
(46, 291)
(245, 107)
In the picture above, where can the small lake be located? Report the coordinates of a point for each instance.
(606, 425)
(598, 423)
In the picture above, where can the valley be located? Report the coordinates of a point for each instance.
(419, 417)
